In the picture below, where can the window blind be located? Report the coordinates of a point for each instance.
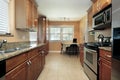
(4, 18)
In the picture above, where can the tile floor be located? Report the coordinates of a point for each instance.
(62, 67)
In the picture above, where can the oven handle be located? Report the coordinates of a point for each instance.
(90, 50)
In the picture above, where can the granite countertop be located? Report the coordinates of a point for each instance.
(4, 56)
(106, 48)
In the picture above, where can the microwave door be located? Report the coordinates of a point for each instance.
(108, 15)
(99, 20)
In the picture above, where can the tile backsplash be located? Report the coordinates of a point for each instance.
(106, 33)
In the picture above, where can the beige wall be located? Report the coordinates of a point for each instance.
(83, 29)
(56, 46)
(18, 35)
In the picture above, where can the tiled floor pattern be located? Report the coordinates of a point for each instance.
(62, 67)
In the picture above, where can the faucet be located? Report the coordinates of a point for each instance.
(2, 42)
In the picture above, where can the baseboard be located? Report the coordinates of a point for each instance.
(54, 51)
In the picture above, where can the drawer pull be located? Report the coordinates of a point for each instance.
(28, 63)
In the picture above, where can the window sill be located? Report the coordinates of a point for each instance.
(5, 35)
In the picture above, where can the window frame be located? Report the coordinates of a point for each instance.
(61, 33)
(4, 30)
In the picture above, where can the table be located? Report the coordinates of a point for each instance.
(66, 44)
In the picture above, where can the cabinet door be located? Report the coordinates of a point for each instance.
(29, 13)
(81, 55)
(39, 68)
(35, 20)
(105, 69)
(95, 7)
(104, 3)
(18, 73)
(32, 69)
(42, 52)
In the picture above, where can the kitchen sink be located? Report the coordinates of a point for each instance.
(14, 49)
(8, 51)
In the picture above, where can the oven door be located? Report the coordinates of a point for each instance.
(90, 59)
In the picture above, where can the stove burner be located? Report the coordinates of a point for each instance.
(94, 45)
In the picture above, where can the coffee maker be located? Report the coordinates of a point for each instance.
(104, 41)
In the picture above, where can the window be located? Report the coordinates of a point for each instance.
(4, 19)
(54, 33)
(62, 33)
(67, 33)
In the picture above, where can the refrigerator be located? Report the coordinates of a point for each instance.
(115, 75)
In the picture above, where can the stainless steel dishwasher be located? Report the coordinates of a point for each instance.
(2, 69)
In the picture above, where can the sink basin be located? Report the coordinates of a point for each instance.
(13, 49)
(8, 51)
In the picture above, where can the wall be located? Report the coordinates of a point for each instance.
(19, 36)
(56, 46)
(83, 30)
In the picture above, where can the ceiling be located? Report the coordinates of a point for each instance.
(63, 9)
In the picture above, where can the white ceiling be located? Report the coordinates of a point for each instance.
(63, 9)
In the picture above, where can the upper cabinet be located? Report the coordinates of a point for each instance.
(90, 15)
(98, 5)
(26, 15)
(42, 29)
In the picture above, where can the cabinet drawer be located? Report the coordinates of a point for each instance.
(18, 73)
(105, 54)
(15, 61)
(32, 53)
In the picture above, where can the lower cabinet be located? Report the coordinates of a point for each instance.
(27, 69)
(32, 69)
(82, 54)
(18, 73)
(105, 69)
(105, 65)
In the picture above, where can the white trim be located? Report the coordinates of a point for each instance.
(54, 51)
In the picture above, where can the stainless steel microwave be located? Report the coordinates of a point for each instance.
(103, 18)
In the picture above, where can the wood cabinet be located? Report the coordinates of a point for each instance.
(105, 65)
(99, 5)
(81, 54)
(25, 14)
(26, 66)
(42, 52)
(32, 64)
(90, 15)
(42, 29)
(18, 73)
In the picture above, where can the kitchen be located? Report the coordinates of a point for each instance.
(29, 33)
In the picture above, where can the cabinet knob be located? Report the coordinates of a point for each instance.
(42, 52)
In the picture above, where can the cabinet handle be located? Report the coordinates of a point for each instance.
(28, 63)
(99, 61)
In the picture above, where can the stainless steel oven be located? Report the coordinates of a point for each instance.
(90, 63)
(102, 19)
